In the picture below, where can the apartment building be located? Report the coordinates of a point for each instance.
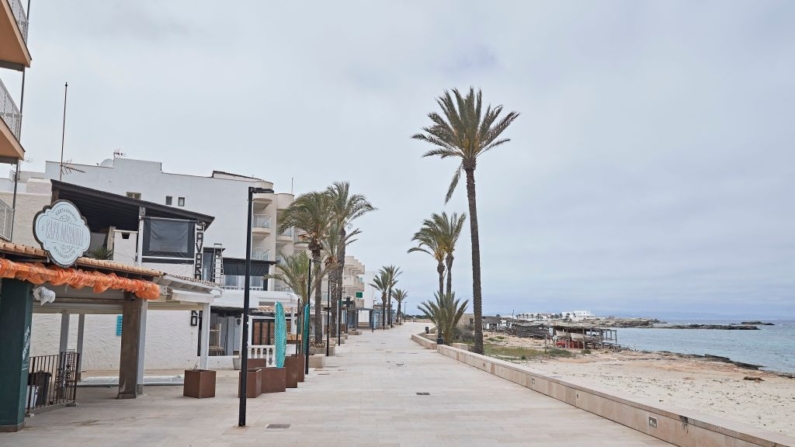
(221, 194)
(14, 56)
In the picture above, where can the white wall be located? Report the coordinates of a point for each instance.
(29, 203)
(170, 340)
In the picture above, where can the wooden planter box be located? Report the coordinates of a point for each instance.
(295, 370)
(257, 363)
(199, 383)
(253, 382)
(274, 380)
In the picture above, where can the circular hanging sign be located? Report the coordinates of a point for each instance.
(62, 232)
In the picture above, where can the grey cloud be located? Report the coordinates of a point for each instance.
(652, 167)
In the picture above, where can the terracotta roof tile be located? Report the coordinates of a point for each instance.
(9, 247)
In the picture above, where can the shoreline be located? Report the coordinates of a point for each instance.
(712, 385)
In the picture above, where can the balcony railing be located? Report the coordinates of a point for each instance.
(262, 221)
(237, 282)
(9, 111)
(20, 17)
(282, 288)
(261, 254)
(287, 233)
(6, 220)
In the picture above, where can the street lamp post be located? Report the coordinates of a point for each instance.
(307, 323)
(328, 317)
(241, 421)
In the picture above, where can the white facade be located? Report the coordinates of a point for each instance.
(221, 195)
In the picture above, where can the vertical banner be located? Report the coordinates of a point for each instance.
(197, 263)
(281, 335)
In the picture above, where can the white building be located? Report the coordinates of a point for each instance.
(222, 195)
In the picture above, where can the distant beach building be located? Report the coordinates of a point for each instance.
(578, 315)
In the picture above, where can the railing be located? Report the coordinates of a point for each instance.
(52, 380)
(6, 220)
(267, 352)
(261, 254)
(262, 221)
(9, 111)
(20, 17)
(287, 233)
(237, 282)
(282, 288)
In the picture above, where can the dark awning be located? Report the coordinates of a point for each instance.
(103, 209)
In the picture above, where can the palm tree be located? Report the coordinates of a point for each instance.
(381, 284)
(428, 242)
(447, 230)
(392, 273)
(399, 295)
(333, 242)
(346, 208)
(310, 213)
(294, 271)
(466, 132)
(445, 313)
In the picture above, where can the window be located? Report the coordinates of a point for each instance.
(169, 240)
(169, 200)
(134, 195)
(181, 201)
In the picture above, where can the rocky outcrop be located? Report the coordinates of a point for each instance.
(726, 327)
(757, 323)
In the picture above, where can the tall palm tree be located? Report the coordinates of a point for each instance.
(310, 213)
(428, 242)
(392, 273)
(332, 244)
(346, 208)
(381, 284)
(466, 132)
(445, 313)
(399, 295)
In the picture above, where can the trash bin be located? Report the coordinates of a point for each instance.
(427, 330)
(41, 380)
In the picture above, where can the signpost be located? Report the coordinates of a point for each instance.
(62, 232)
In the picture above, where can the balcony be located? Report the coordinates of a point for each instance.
(237, 282)
(261, 224)
(6, 220)
(260, 254)
(286, 236)
(13, 35)
(263, 198)
(10, 127)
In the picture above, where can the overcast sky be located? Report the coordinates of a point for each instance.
(652, 169)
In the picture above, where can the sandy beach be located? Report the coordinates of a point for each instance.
(709, 387)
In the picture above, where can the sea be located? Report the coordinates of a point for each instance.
(772, 347)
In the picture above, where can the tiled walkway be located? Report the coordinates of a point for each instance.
(366, 396)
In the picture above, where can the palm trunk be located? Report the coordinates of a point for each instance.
(332, 293)
(389, 301)
(338, 277)
(449, 274)
(398, 314)
(440, 271)
(477, 299)
(318, 298)
(383, 311)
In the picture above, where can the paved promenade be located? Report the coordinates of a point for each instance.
(366, 396)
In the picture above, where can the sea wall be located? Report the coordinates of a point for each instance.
(677, 426)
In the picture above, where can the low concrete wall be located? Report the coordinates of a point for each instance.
(424, 342)
(674, 425)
